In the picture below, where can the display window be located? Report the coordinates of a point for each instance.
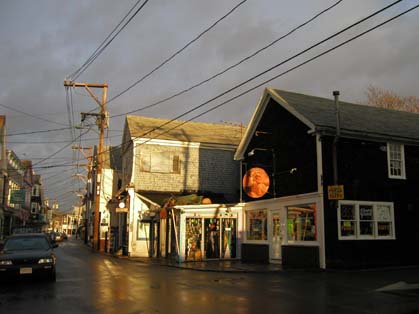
(210, 238)
(365, 220)
(193, 239)
(301, 222)
(256, 223)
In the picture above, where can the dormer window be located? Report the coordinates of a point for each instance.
(395, 161)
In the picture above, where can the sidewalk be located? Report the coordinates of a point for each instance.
(212, 266)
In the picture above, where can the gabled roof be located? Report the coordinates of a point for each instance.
(196, 132)
(356, 121)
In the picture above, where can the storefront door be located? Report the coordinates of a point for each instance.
(275, 237)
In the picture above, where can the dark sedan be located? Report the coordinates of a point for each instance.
(25, 255)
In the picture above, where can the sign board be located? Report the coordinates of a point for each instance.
(256, 182)
(335, 192)
(17, 196)
(122, 210)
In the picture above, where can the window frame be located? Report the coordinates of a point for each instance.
(147, 162)
(375, 220)
(263, 224)
(402, 161)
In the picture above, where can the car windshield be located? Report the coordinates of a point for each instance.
(26, 243)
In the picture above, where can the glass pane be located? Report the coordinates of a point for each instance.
(347, 212)
(256, 221)
(193, 239)
(301, 222)
(383, 213)
(366, 228)
(229, 238)
(384, 228)
(212, 237)
(347, 228)
(365, 212)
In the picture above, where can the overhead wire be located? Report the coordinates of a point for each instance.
(291, 69)
(177, 52)
(30, 115)
(107, 41)
(233, 65)
(272, 68)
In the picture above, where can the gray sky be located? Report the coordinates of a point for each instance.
(43, 41)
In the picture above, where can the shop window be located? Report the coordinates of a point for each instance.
(228, 244)
(365, 220)
(395, 161)
(256, 223)
(301, 223)
(212, 237)
(193, 239)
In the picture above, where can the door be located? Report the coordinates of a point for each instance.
(276, 237)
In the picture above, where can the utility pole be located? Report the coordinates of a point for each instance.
(88, 181)
(102, 123)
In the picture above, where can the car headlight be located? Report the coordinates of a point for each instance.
(45, 260)
(6, 262)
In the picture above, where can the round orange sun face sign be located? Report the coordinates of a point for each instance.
(256, 182)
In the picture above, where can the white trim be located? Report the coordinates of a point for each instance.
(148, 141)
(403, 163)
(320, 215)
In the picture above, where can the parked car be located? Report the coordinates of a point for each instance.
(25, 255)
(58, 237)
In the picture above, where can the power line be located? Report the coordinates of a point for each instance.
(30, 115)
(60, 150)
(296, 67)
(272, 68)
(177, 52)
(35, 132)
(231, 66)
(105, 43)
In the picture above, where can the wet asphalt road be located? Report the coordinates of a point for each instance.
(93, 283)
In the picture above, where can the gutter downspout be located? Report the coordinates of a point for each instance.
(336, 139)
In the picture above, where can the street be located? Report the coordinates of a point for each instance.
(95, 283)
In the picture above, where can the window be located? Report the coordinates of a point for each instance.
(301, 222)
(395, 160)
(365, 220)
(256, 223)
(160, 162)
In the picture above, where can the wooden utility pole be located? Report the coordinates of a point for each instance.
(102, 123)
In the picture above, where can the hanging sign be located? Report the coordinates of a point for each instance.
(17, 196)
(256, 182)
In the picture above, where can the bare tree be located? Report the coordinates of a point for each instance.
(383, 98)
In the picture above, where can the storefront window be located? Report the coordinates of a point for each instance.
(229, 238)
(301, 222)
(212, 237)
(365, 220)
(256, 222)
(193, 238)
(347, 223)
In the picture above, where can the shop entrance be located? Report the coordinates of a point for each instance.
(276, 237)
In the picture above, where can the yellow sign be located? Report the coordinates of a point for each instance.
(121, 210)
(335, 192)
